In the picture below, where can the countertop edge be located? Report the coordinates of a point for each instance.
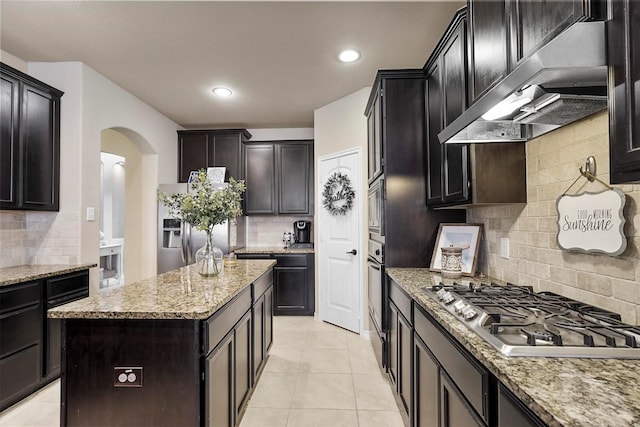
(29, 273)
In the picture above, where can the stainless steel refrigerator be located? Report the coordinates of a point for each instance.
(178, 242)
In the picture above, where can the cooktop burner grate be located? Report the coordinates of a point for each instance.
(520, 322)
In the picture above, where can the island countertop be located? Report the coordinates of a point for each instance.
(561, 391)
(177, 294)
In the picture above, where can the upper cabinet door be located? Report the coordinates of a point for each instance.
(226, 150)
(29, 142)
(9, 87)
(40, 145)
(260, 195)
(295, 175)
(535, 23)
(192, 154)
(623, 36)
(488, 49)
(375, 123)
(434, 126)
(454, 69)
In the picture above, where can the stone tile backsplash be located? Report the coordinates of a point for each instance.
(39, 238)
(267, 230)
(535, 258)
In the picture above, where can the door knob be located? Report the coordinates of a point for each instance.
(352, 252)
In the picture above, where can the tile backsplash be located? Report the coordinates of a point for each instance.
(39, 238)
(535, 259)
(267, 230)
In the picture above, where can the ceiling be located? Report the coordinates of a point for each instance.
(279, 58)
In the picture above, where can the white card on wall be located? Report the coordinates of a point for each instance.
(592, 222)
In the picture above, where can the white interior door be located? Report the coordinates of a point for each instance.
(340, 257)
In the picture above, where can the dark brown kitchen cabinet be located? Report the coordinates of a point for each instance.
(293, 282)
(219, 380)
(262, 314)
(374, 136)
(260, 179)
(60, 290)
(30, 142)
(465, 387)
(426, 383)
(512, 412)
(279, 178)
(454, 409)
(198, 149)
(400, 344)
(534, 23)
(445, 99)
(30, 343)
(21, 322)
(488, 48)
(623, 38)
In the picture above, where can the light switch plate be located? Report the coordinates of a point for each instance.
(504, 247)
(91, 214)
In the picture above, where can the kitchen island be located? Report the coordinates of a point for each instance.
(175, 349)
(560, 391)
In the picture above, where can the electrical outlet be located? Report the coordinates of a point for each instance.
(504, 247)
(127, 377)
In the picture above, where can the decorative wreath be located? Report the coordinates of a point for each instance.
(337, 196)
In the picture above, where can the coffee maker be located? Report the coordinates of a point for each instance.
(302, 232)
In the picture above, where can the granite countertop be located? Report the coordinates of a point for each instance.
(177, 294)
(274, 250)
(27, 273)
(561, 391)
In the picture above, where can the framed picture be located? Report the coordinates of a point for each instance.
(216, 174)
(466, 236)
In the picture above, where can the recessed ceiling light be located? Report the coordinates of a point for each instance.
(349, 55)
(221, 91)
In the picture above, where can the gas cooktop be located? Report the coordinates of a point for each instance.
(519, 322)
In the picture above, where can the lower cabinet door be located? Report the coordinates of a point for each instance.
(425, 385)
(19, 375)
(258, 336)
(404, 358)
(393, 344)
(512, 412)
(242, 362)
(220, 411)
(268, 319)
(455, 411)
(291, 290)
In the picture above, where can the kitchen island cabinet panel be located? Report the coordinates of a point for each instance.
(623, 38)
(219, 380)
(166, 350)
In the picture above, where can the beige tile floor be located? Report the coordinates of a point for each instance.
(317, 375)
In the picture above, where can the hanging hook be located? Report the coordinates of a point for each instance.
(589, 171)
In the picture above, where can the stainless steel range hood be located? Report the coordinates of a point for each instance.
(566, 80)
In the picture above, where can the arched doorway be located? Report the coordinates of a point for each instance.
(139, 254)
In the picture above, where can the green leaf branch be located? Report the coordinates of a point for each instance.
(203, 206)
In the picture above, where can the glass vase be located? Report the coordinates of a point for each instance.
(209, 258)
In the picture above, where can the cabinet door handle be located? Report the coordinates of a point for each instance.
(352, 252)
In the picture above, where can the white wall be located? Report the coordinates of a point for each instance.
(280, 134)
(339, 126)
(13, 61)
(92, 103)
